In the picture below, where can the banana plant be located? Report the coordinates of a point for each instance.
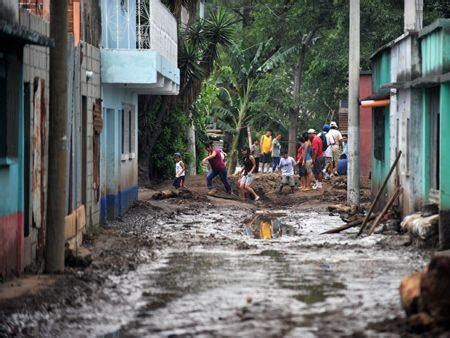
(237, 83)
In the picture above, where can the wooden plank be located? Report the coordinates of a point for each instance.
(385, 210)
(81, 218)
(70, 226)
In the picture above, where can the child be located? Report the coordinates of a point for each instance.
(180, 172)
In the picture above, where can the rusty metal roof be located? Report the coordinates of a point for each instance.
(19, 34)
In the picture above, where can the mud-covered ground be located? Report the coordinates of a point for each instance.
(191, 268)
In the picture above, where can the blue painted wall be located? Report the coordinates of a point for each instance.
(136, 67)
(119, 172)
(11, 174)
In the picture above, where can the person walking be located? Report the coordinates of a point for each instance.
(317, 158)
(180, 171)
(218, 167)
(246, 174)
(286, 172)
(276, 152)
(337, 144)
(256, 153)
(266, 148)
(307, 163)
(301, 164)
(327, 142)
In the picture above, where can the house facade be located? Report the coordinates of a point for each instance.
(138, 57)
(412, 74)
(22, 155)
(117, 50)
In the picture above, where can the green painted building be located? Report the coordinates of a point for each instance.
(413, 71)
(434, 85)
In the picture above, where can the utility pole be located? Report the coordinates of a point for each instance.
(413, 15)
(192, 166)
(353, 104)
(54, 253)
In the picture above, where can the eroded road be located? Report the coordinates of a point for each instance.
(209, 278)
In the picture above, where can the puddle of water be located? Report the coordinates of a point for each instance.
(266, 227)
(317, 293)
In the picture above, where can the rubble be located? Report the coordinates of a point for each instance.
(425, 296)
(422, 229)
(172, 193)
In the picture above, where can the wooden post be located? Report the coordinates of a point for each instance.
(57, 154)
(385, 210)
(353, 188)
(386, 180)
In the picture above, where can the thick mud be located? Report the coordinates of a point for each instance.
(198, 271)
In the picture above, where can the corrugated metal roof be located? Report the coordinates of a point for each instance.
(439, 23)
(22, 35)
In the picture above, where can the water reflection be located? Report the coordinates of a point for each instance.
(264, 227)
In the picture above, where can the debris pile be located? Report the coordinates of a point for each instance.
(425, 296)
(422, 227)
(262, 183)
(172, 193)
(339, 183)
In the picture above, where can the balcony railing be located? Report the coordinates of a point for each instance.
(140, 24)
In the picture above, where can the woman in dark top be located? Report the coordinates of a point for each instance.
(246, 173)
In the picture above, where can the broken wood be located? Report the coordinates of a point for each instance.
(347, 226)
(377, 197)
(383, 212)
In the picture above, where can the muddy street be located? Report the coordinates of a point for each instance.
(198, 271)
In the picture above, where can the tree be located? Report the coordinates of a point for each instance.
(198, 51)
(245, 70)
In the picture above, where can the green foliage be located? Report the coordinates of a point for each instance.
(169, 142)
(163, 122)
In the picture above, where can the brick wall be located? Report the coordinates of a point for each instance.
(42, 8)
(37, 7)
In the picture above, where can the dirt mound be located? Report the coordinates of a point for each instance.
(426, 297)
(263, 184)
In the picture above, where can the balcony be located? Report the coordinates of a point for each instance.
(139, 41)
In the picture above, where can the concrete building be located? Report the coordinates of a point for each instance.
(138, 56)
(24, 155)
(413, 74)
(365, 113)
(22, 177)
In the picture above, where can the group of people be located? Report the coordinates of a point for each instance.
(318, 158)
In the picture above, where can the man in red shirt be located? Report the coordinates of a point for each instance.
(217, 167)
(317, 158)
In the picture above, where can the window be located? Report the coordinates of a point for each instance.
(124, 131)
(3, 110)
(9, 106)
(128, 129)
(433, 98)
(379, 134)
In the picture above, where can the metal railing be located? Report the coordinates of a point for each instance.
(156, 29)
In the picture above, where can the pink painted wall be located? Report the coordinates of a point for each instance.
(365, 89)
(11, 244)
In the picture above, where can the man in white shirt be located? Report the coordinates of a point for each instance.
(286, 171)
(336, 145)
